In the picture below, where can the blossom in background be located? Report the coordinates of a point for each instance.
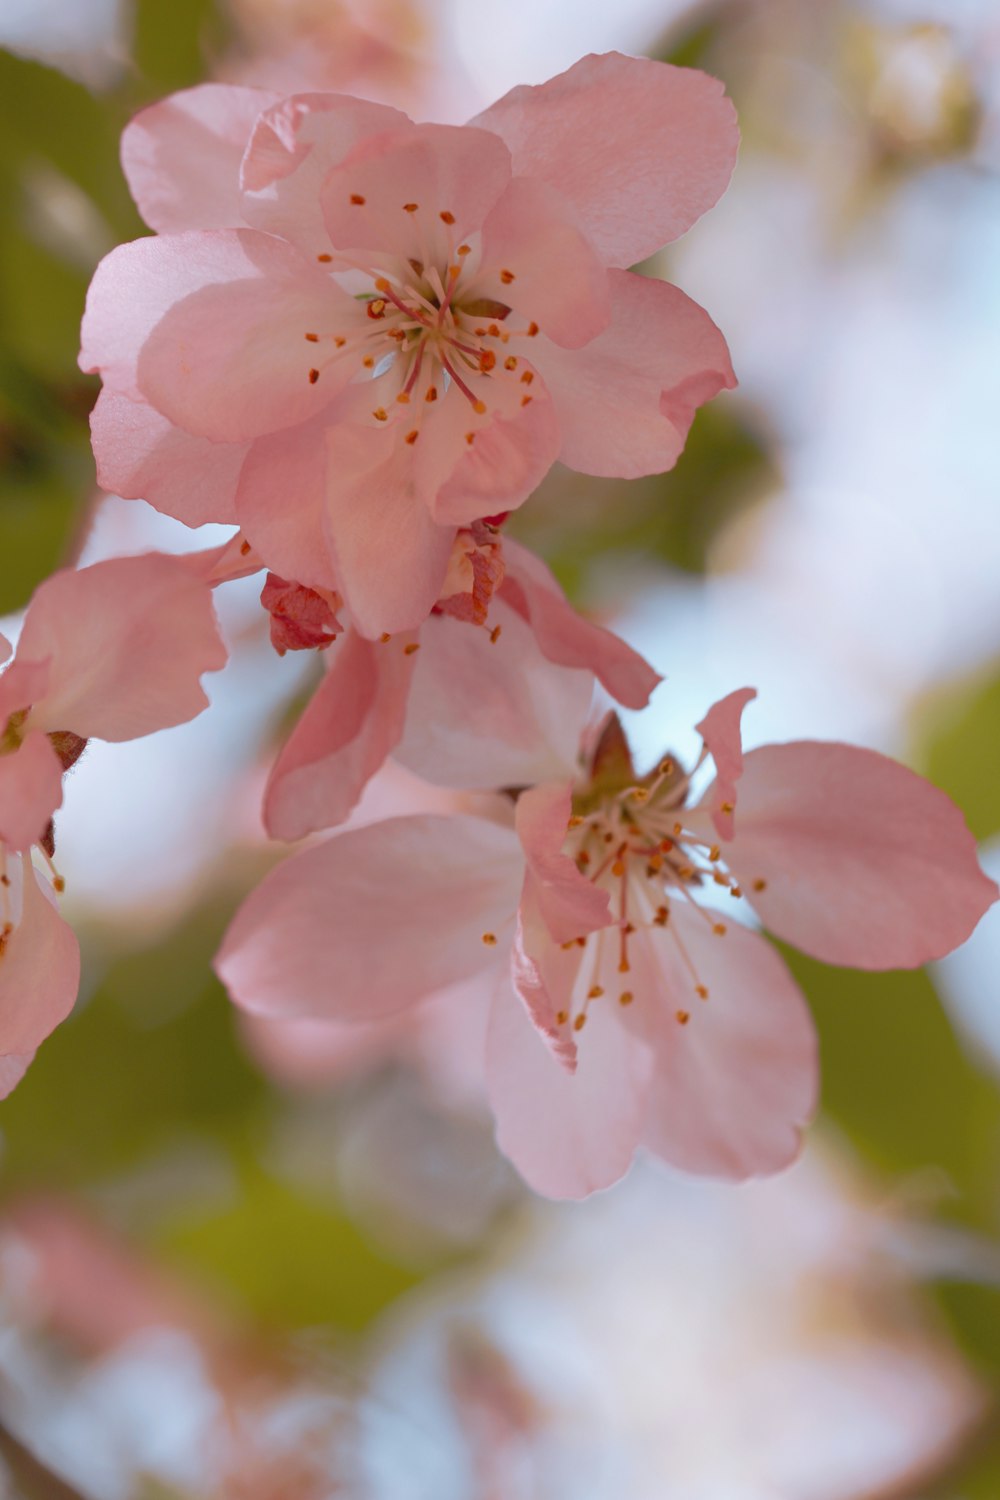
(111, 652)
(627, 1009)
(353, 335)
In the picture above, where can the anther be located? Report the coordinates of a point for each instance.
(380, 414)
(385, 636)
(701, 992)
(662, 916)
(312, 338)
(574, 821)
(580, 1021)
(494, 635)
(339, 340)
(714, 854)
(506, 277)
(409, 649)
(368, 362)
(357, 200)
(446, 216)
(626, 997)
(493, 331)
(313, 376)
(325, 258)
(479, 407)
(527, 377)
(410, 208)
(403, 398)
(59, 885)
(665, 768)
(487, 360)
(737, 891)
(464, 250)
(683, 1016)
(760, 884)
(727, 807)
(244, 547)
(561, 1017)
(431, 394)
(526, 400)
(376, 308)
(490, 939)
(595, 992)
(532, 330)
(510, 363)
(618, 868)
(411, 437)
(719, 928)
(470, 438)
(624, 967)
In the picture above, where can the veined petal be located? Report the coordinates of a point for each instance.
(128, 639)
(640, 148)
(625, 402)
(293, 147)
(228, 358)
(567, 1133)
(566, 637)
(140, 455)
(415, 192)
(181, 156)
(736, 1084)
(721, 732)
(351, 724)
(281, 503)
(39, 965)
(30, 791)
(488, 712)
(552, 276)
(373, 920)
(568, 903)
(854, 858)
(390, 557)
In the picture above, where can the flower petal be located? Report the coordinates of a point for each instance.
(281, 503)
(373, 920)
(390, 557)
(625, 402)
(181, 156)
(555, 278)
(720, 729)
(566, 637)
(568, 903)
(351, 724)
(451, 173)
(13, 1066)
(30, 791)
(854, 858)
(735, 1085)
(293, 147)
(22, 684)
(487, 712)
(228, 357)
(39, 964)
(642, 149)
(142, 456)
(568, 1134)
(129, 639)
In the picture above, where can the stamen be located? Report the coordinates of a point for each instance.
(409, 649)
(410, 208)
(380, 414)
(326, 259)
(490, 938)
(313, 376)
(357, 199)
(313, 338)
(760, 884)
(683, 1016)
(495, 634)
(446, 216)
(506, 277)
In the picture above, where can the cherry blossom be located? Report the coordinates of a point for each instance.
(112, 652)
(353, 334)
(627, 1006)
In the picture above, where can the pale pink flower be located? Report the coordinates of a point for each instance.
(353, 334)
(111, 652)
(646, 1015)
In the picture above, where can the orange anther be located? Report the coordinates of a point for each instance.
(683, 1016)
(470, 438)
(464, 250)
(701, 992)
(357, 199)
(312, 338)
(487, 360)
(380, 414)
(446, 216)
(527, 378)
(409, 649)
(490, 938)
(376, 308)
(313, 376)
(403, 398)
(325, 258)
(411, 437)
(580, 1021)
(760, 884)
(410, 208)
(561, 1015)
(626, 997)
(510, 363)
(479, 407)
(495, 635)
(339, 340)
(532, 330)
(595, 992)
(506, 277)
(527, 400)
(431, 393)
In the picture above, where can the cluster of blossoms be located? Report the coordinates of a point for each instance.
(363, 342)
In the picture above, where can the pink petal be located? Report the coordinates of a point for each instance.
(30, 791)
(862, 861)
(229, 358)
(490, 713)
(448, 170)
(352, 723)
(293, 147)
(129, 638)
(640, 148)
(13, 1067)
(142, 456)
(281, 503)
(734, 1086)
(568, 1134)
(23, 683)
(557, 280)
(373, 920)
(181, 156)
(565, 637)
(390, 558)
(626, 401)
(514, 444)
(39, 964)
(5, 648)
(230, 560)
(568, 903)
(720, 729)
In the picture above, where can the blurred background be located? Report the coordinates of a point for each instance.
(255, 1265)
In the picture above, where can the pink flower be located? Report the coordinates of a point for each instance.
(353, 334)
(111, 652)
(627, 1009)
